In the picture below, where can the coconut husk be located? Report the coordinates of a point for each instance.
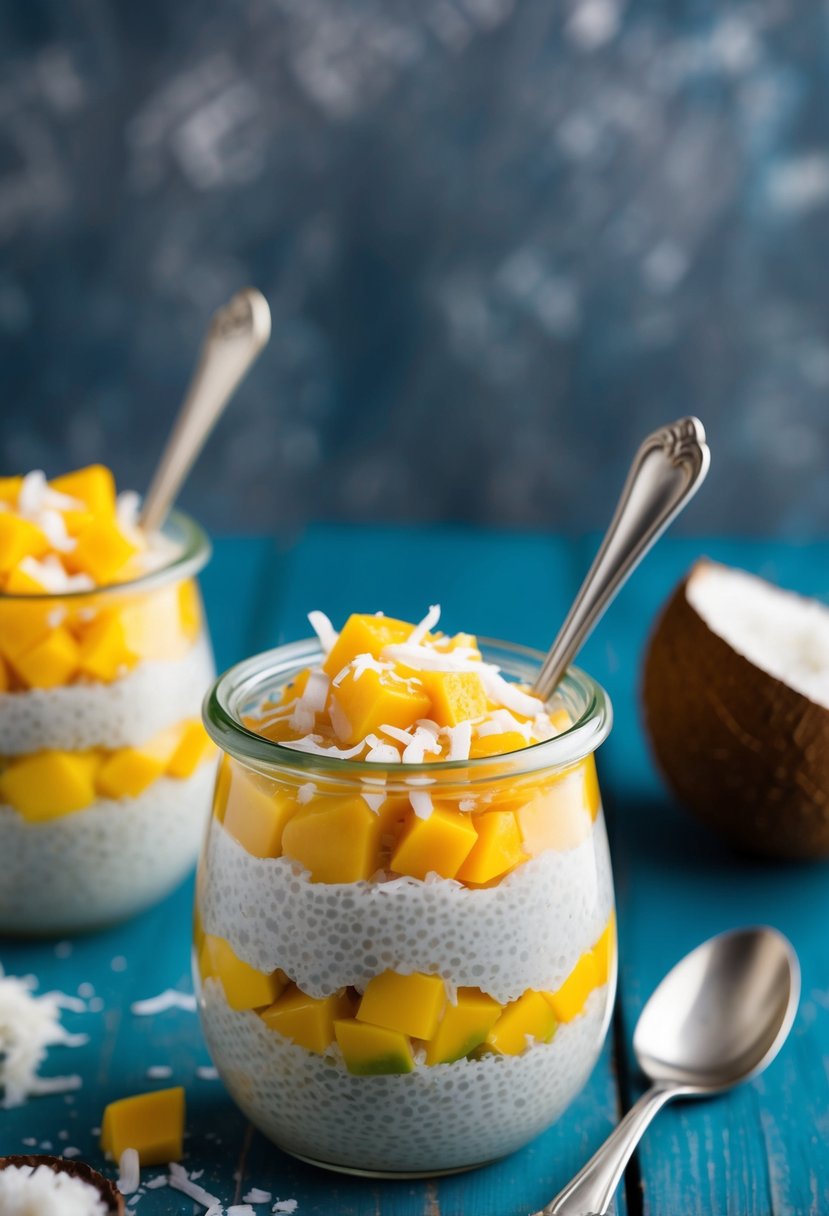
(77, 1169)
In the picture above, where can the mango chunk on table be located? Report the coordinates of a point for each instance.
(569, 1000)
(254, 811)
(101, 551)
(497, 850)
(48, 784)
(411, 1004)
(364, 634)
(456, 696)
(530, 1017)
(362, 704)
(129, 771)
(463, 1027)
(152, 1124)
(92, 486)
(440, 843)
(244, 986)
(307, 1021)
(372, 1050)
(19, 538)
(50, 662)
(335, 839)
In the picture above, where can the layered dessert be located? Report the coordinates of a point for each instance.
(106, 772)
(405, 944)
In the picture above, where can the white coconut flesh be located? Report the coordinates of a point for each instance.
(778, 631)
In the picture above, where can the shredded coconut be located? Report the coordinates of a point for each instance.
(179, 1180)
(169, 999)
(324, 630)
(425, 626)
(460, 740)
(305, 793)
(129, 1172)
(29, 1025)
(289, 1206)
(254, 1195)
(42, 1191)
(421, 801)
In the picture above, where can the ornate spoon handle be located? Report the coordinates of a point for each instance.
(666, 472)
(237, 334)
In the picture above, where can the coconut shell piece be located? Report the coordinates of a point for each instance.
(77, 1169)
(746, 753)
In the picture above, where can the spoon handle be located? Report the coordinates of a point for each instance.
(590, 1192)
(237, 334)
(666, 472)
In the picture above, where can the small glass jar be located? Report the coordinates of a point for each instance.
(106, 773)
(398, 1025)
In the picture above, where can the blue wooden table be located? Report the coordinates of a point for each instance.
(762, 1149)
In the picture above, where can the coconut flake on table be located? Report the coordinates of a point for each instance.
(171, 998)
(180, 1180)
(779, 631)
(29, 1025)
(129, 1172)
(41, 1191)
(288, 1206)
(255, 1195)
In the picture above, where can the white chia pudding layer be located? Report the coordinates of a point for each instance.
(104, 862)
(439, 1117)
(529, 931)
(154, 695)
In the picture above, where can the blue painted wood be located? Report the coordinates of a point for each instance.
(759, 1150)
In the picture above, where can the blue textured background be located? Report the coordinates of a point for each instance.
(501, 239)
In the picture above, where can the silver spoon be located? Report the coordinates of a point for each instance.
(667, 471)
(718, 1018)
(236, 335)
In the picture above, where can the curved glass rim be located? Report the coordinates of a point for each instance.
(226, 729)
(193, 555)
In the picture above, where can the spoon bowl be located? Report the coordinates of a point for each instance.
(722, 1013)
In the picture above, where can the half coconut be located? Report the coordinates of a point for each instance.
(91, 1191)
(736, 701)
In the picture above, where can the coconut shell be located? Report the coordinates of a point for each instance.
(77, 1169)
(747, 754)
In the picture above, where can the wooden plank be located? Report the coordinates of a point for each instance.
(759, 1149)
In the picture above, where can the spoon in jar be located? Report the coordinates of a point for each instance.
(718, 1018)
(667, 471)
(237, 334)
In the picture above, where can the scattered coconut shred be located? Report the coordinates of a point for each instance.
(29, 1025)
(41, 1191)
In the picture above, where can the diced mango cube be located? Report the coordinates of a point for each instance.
(94, 486)
(305, 1020)
(411, 1004)
(568, 1000)
(152, 625)
(457, 696)
(335, 839)
(50, 662)
(193, 747)
(21, 581)
(244, 986)
(497, 850)
(463, 1027)
(393, 813)
(126, 773)
(364, 634)
(528, 1018)
(375, 699)
(103, 649)
(256, 811)
(440, 844)
(46, 785)
(102, 550)
(221, 790)
(5, 677)
(604, 951)
(497, 745)
(190, 609)
(152, 1124)
(19, 538)
(371, 1051)
(295, 687)
(10, 488)
(23, 625)
(560, 815)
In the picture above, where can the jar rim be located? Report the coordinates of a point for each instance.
(221, 711)
(192, 555)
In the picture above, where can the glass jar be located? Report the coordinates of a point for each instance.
(410, 1024)
(106, 772)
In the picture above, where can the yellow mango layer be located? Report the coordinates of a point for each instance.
(50, 662)
(439, 844)
(371, 1051)
(193, 747)
(497, 850)
(528, 1018)
(253, 810)
(411, 1004)
(335, 839)
(128, 772)
(104, 653)
(568, 1001)
(364, 634)
(604, 951)
(152, 1124)
(306, 1021)
(364, 704)
(560, 814)
(49, 784)
(463, 1027)
(244, 986)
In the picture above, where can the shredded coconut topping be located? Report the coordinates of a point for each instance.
(29, 1025)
